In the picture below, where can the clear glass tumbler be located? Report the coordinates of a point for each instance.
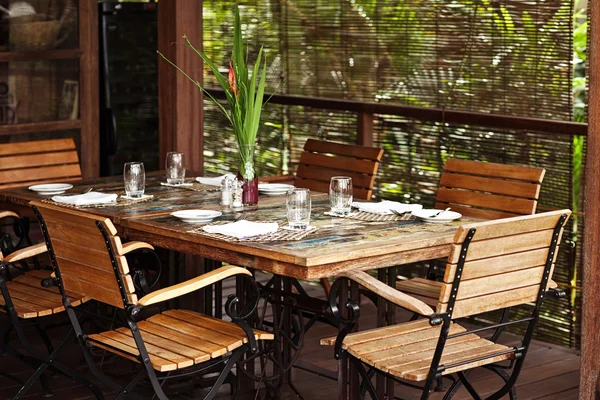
(298, 206)
(175, 168)
(340, 194)
(134, 178)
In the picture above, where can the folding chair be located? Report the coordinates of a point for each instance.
(88, 257)
(492, 265)
(24, 299)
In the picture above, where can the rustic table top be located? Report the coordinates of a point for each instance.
(336, 245)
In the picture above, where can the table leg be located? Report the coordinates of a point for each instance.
(381, 321)
(391, 320)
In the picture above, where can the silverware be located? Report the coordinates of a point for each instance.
(400, 214)
(87, 190)
(240, 218)
(439, 213)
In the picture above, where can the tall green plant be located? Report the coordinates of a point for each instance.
(244, 92)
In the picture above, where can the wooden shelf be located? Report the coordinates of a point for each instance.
(15, 56)
(33, 127)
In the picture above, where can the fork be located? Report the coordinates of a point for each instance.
(439, 213)
(400, 214)
(87, 190)
(240, 218)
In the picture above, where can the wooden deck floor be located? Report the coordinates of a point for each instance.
(550, 372)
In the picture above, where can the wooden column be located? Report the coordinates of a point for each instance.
(89, 89)
(179, 100)
(590, 340)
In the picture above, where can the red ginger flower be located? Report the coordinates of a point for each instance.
(231, 79)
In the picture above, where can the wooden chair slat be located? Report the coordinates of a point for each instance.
(196, 356)
(34, 181)
(40, 173)
(180, 337)
(323, 187)
(490, 302)
(44, 303)
(476, 212)
(494, 169)
(178, 360)
(503, 245)
(67, 232)
(497, 265)
(82, 255)
(102, 276)
(513, 226)
(492, 185)
(30, 280)
(35, 160)
(420, 286)
(311, 172)
(38, 146)
(495, 283)
(339, 163)
(488, 201)
(421, 374)
(75, 217)
(361, 152)
(95, 291)
(226, 327)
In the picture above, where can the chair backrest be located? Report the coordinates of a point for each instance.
(81, 256)
(502, 265)
(322, 160)
(489, 190)
(28, 163)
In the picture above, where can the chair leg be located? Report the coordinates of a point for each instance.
(468, 386)
(37, 374)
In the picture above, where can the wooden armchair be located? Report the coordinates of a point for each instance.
(492, 265)
(24, 298)
(481, 190)
(28, 163)
(88, 257)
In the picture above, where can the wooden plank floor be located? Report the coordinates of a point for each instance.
(550, 372)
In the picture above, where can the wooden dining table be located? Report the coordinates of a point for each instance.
(335, 245)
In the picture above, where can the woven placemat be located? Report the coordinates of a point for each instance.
(372, 217)
(121, 202)
(280, 235)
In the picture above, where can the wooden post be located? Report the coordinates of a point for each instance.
(364, 136)
(89, 89)
(590, 339)
(179, 100)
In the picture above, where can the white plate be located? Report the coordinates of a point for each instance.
(51, 188)
(197, 216)
(444, 217)
(274, 188)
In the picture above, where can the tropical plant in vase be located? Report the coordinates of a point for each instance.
(244, 90)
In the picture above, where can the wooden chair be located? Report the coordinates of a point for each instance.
(28, 163)
(492, 265)
(24, 299)
(320, 161)
(481, 190)
(88, 257)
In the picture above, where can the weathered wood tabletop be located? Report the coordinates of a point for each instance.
(338, 244)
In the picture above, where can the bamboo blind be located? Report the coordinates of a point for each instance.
(509, 57)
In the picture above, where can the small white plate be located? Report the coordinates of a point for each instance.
(196, 216)
(274, 189)
(50, 188)
(445, 217)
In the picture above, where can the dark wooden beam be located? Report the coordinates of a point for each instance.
(179, 100)
(89, 91)
(364, 134)
(590, 338)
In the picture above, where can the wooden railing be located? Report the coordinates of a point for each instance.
(365, 112)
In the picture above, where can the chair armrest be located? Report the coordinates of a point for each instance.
(191, 285)
(132, 246)
(277, 178)
(5, 214)
(27, 252)
(387, 292)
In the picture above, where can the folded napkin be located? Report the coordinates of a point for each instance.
(86, 198)
(176, 185)
(213, 181)
(384, 207)
(243, 229)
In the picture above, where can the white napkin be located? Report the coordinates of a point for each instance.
(214, 181)
(86, 198)
(384, 207)
(243, 229)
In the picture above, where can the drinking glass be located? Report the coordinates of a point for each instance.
(175, 168)
(134, 178)
(340, 194)
(298, 208)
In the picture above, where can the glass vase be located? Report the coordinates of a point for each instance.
(247, 175)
